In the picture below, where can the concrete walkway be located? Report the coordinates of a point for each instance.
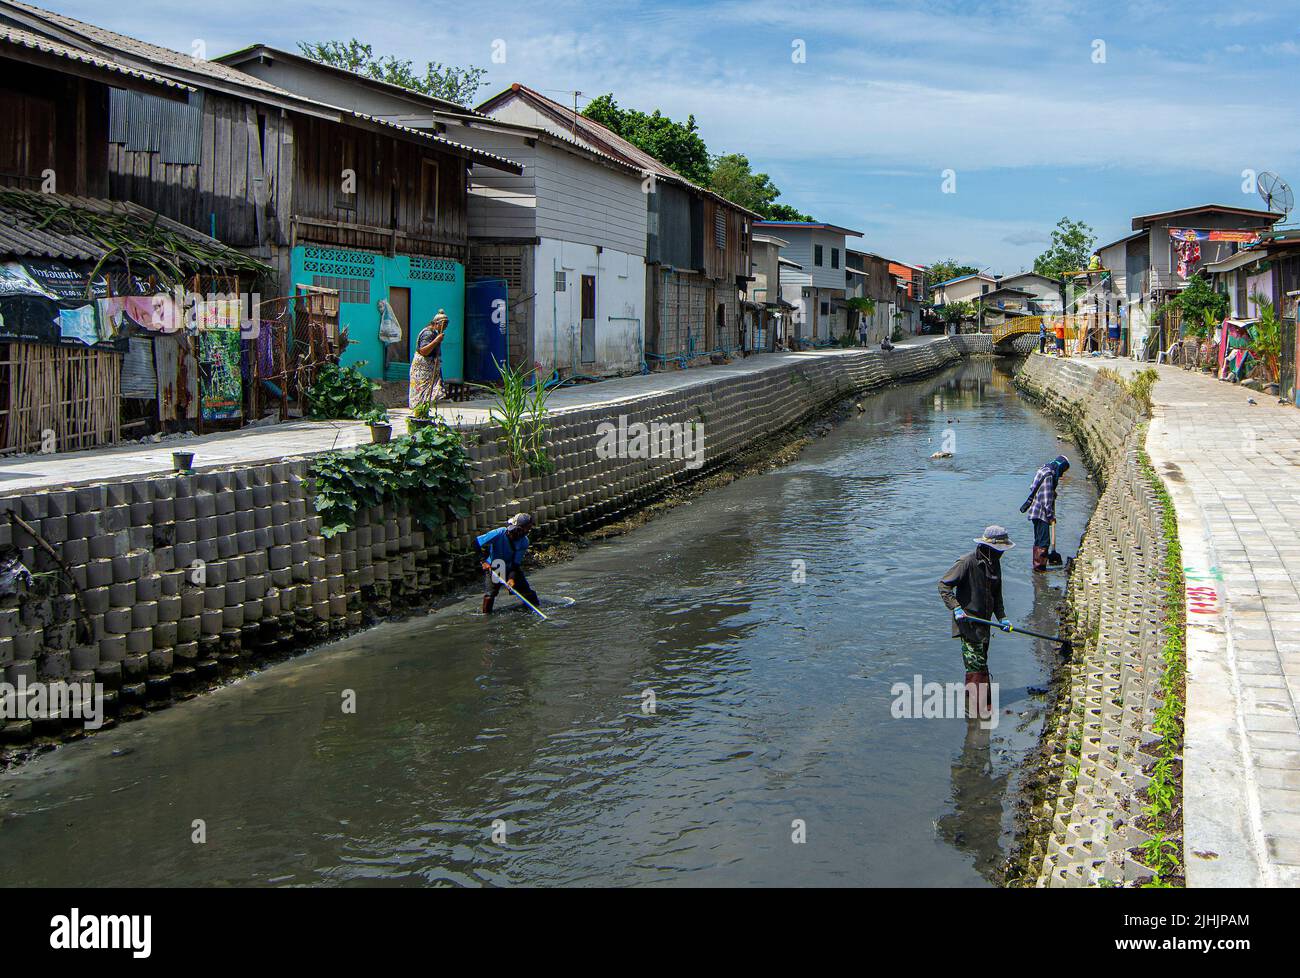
(248, 446)
(1233, 470)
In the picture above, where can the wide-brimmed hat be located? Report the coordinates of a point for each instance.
(996, 537)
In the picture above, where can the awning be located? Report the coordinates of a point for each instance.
(1240, 259)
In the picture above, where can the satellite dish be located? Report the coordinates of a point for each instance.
(1275, 192)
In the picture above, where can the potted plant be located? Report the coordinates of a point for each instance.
(421, 416)
(381, 429)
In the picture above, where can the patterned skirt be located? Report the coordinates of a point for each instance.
(426, 381)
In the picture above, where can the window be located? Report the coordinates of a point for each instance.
(561, 282)
(817, 255)
(835, 258)
(826, 308)
(429, 190)
(349, 289)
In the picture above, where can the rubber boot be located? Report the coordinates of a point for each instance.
(1040, 558)
(983, 682)
(973, 695)
(487, 604)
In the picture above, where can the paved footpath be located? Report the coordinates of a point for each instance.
(248, 446)
(1233, 471)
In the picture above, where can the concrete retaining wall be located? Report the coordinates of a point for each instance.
(1103, 737)
(191, 579)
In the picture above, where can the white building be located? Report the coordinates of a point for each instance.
(814, 280)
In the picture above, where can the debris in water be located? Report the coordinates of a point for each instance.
(941, 455)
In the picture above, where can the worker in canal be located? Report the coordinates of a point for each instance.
(502, 557)
(973, 588)
(1041, 507)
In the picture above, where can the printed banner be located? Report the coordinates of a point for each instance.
(1190, 234)
(221, 386)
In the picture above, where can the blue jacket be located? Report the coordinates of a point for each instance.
(500, 547)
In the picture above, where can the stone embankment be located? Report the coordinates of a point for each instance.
(186, 580)
(1100, 744)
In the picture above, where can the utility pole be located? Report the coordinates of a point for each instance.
(575, 113)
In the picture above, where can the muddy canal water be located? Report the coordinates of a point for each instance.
(771, 704)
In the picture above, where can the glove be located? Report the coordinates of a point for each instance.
(1004, 624)
(958, 614)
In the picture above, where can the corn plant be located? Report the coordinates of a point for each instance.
(520, 412)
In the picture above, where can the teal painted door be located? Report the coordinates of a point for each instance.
(363, 278)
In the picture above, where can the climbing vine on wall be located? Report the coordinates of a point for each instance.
(427, 471)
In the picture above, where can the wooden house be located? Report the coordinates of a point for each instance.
(562, 241)
(329, 197)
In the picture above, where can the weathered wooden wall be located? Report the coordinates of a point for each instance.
(56, 122)
(387, 212)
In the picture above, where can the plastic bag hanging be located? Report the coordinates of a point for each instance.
(390, 330)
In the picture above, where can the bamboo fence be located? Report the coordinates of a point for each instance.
(56, 398)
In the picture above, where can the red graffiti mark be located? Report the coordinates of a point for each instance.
(1202, 600)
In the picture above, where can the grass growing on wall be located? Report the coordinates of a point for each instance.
(1163, 852)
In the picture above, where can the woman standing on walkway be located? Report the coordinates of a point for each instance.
(426, 364)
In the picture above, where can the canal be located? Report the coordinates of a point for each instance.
(722, 685)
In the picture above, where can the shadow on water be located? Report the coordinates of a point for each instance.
(723, 684)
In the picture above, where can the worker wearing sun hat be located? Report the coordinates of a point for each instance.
(973, 588)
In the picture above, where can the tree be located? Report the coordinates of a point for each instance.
(448, 82)
(947, 269)
(1069, 251)
(677, 145)
(733, 178)
(958, 312)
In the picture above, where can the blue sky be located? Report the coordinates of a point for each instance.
(1018, 97)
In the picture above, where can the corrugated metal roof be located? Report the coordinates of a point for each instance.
(223, 77)
(616, 144)
(34, 42)
(22, 237)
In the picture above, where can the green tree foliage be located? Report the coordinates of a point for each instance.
(1069, 251)
(448, 82)
(946, 269)
(677, 145)
(733, 178)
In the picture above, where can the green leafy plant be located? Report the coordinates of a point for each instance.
(377, 415)
(1266, 342)
(423, 411)
(341, 392)
(427, 471)
(520, 412)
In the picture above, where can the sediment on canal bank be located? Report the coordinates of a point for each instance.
(184, 581)
(1116, 723)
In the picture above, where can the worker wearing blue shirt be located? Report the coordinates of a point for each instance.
(502, 551)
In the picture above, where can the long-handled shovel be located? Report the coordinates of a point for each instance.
(1053, 557)
(1065, 643)
(516, 593)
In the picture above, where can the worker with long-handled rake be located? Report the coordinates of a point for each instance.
(502, 559)
(972, 590)
(1041, 507)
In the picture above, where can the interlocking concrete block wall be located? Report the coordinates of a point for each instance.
(1103, 736)
(190, 579)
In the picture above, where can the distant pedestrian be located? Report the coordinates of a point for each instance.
(1041, 507)
(1042, 336)
(973, 588)
(1060, 337)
